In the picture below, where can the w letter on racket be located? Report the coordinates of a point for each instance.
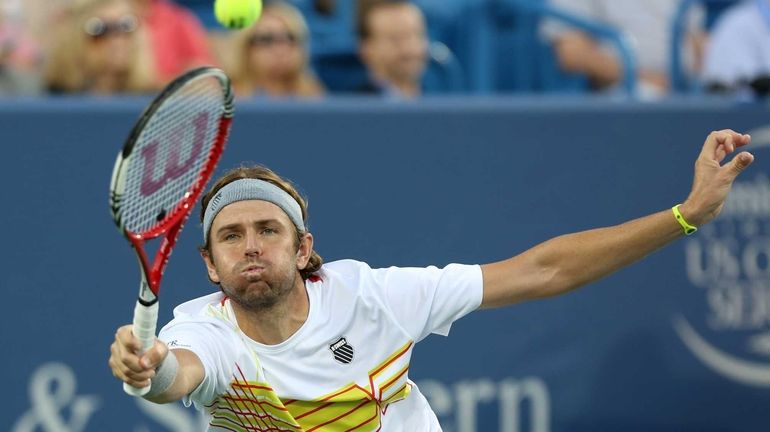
(174, 167)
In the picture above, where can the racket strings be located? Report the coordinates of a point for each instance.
(170, 153)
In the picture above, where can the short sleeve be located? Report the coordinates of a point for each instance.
(209, 341)
(428, 300)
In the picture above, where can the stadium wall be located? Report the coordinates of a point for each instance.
(680, 341)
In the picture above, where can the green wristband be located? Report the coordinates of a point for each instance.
(688, 229)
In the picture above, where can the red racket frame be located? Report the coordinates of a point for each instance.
(146, 308)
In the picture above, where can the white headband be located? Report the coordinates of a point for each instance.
(251, 189)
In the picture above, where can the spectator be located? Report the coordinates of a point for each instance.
(647, 25)
(393, 46)
(35, 16)
(20, 57)
(272, 57)
(738, 54)
(100, 47)
(177, 37)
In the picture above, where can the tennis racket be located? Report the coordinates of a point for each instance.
(169, 156)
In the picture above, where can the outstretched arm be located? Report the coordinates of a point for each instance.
(140, 370)
(573, 260)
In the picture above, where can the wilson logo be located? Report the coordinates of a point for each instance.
(175, 167)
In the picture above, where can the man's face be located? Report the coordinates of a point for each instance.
(275, 51)
(110, 35)
(396, 49)
(254, 255)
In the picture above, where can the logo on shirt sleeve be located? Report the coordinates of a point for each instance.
(176, 344)
(342, 351)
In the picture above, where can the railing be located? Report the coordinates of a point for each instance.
(680, 83)
(598, 30)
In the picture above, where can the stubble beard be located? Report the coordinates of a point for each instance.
(258, 294)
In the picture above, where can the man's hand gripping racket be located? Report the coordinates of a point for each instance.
(159, 174)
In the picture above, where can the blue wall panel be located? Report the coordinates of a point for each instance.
(447, 180)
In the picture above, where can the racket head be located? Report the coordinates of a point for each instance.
(169, 156)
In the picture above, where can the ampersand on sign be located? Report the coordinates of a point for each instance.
(51, 389)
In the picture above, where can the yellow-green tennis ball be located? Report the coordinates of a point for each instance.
(237, 14)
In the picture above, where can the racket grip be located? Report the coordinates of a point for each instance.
(145, 320)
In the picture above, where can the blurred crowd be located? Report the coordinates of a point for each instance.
(107, 47)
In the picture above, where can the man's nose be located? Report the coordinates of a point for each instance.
(253, 244)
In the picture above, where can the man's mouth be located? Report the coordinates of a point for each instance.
(253, 270)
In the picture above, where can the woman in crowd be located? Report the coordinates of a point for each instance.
(271, 58)
(100, 47)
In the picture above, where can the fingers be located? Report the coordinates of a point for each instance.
(712, 181)
(122, 371)
(721, 143)
(720, 154)
(152, 358)
(130, 366)
(743, 140)
(125, 347)
(713, 140)
(738, 164)
(125, 337)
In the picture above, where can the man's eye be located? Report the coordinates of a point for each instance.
(269, 231)
(231, 236)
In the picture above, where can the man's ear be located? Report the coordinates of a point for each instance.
(304, 251)
(210, 268)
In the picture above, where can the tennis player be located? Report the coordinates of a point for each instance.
(280, 346)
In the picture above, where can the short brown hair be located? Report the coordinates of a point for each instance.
(364, 8)
(266, 174)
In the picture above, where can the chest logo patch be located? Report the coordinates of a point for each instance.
(342, 351)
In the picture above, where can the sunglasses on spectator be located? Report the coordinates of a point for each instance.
(269, 39)
(98, 28)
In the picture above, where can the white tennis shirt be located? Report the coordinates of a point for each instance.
(345, 369)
